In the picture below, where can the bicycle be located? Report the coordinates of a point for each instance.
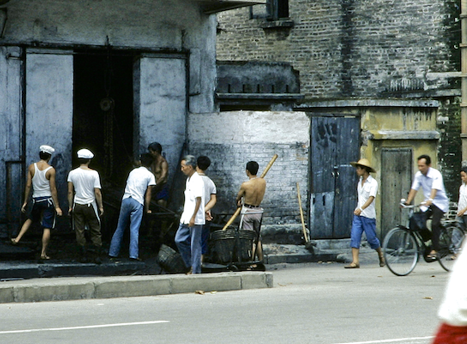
(403, 246)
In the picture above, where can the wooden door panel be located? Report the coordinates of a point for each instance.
(396, 176)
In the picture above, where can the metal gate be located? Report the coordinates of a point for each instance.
(335, 142)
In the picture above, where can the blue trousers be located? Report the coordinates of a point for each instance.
(362, 224)
(205, 237)
(131, 213)
(188, 240)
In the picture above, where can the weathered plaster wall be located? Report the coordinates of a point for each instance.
(49, 111)
(160, 106)
(231, 139)
(11, 133)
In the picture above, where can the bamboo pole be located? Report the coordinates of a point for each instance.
(234, 216)
(305, 235)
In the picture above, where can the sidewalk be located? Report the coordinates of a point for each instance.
(31, 281)
(77, 288)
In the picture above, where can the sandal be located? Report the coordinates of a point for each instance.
(432, 256)
(352, 266)
(13, 241)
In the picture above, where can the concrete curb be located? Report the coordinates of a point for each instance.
(78, 288)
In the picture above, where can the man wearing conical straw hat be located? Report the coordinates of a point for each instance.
(364, 219)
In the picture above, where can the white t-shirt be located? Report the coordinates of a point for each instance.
(209, 188)
(84, 182)
(462, 198)
(194, 189)
(453, 309)
(137, 183)
(432, 180)
(369, 188)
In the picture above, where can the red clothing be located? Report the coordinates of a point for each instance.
(448, 334)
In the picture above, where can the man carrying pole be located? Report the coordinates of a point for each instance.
(252, 192)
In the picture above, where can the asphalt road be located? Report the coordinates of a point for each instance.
(310, 303)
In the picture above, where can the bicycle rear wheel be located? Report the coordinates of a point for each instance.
(400, 251)
(450, 242)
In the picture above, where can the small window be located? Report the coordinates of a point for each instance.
(278, 9)
(273, 10)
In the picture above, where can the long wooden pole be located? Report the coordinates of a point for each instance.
(234, 216)
(305, 235)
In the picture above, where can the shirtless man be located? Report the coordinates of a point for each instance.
(252, 192)
(41, 177)
(160, 169)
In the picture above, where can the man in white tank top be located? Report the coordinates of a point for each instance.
(41, 177)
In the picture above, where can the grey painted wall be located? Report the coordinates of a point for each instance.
(49, 111)
(161, 106)
(11, 133)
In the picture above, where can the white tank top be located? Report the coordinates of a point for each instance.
(40, 184)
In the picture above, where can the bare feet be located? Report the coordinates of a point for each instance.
(14, 241)
(45, 257)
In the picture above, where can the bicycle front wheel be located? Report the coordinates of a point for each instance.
(400, 251)
(450, 242)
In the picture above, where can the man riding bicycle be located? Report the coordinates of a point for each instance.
(436, 200)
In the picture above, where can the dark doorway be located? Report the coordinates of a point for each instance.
(103, 113)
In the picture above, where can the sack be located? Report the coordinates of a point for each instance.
(418, 221)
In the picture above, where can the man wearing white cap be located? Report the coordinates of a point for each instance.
(41, 176)
(84, 184)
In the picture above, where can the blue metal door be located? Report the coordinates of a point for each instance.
(335, 142)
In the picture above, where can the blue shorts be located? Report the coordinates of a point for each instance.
(362, 224)
(163, 194)
(43, 210)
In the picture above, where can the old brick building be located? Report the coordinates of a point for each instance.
(351, 48)
(392, 66)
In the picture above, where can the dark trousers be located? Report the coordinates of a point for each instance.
(85, 214)
(436, 226)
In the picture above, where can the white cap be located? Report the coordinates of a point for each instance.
(85, 154)
(47, 149)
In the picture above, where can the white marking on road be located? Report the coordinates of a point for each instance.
(84, 327)
(390, 340)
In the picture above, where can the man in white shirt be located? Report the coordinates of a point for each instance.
(188, 236)
(462, 204)
(364, 219)
(84, 199)
(436, 200)
(137, 196)
(210, 197)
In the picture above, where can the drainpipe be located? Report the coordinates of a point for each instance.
(463, 46)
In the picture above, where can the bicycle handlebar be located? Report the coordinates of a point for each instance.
(403, 205)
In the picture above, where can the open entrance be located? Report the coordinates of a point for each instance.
(103, 113)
